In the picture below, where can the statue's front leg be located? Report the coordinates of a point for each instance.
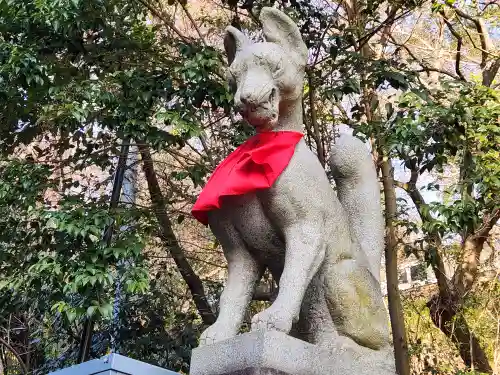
(305, 252)
(243, 273)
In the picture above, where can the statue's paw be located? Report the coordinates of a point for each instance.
(273, 319)
(213, 334)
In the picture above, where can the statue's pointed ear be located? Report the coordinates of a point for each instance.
(233, 42)
(280, 29)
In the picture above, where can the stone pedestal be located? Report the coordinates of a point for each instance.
(275, 353)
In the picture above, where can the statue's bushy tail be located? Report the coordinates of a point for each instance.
(359, 193)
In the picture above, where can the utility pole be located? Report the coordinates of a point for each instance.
(129, 194)
(88, 327)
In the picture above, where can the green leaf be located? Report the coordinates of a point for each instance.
(91, 311)
(397, 80)
(52, 223)
(70, 315)
(106, 310)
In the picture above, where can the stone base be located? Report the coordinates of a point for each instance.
(275, 353)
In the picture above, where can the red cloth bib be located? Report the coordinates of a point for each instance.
(254, 165)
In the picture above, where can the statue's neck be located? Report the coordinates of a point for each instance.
(290, 116)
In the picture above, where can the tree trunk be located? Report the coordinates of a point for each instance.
(170, 240)
(314, 121)
(444, 306)
(391, 269)
(453, 324)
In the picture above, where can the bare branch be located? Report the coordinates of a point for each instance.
(489, 222)
(487, 47)
(170, 240)
(484, 37)
(391, 18)
(193, 22)
(210, 157)
(169, 24)
(425, 67)
(492, 2)
(458, 55)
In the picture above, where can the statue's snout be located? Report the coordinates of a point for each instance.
(251, 100)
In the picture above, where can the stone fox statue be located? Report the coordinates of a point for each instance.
(324, 251)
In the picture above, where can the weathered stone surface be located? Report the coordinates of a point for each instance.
(323, 249)
(272, 352)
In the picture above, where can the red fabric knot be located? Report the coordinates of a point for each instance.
(254, 165)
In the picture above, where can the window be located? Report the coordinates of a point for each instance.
(419, 272)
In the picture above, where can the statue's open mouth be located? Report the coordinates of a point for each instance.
(264, 118)
(260, 114)
(263, 115)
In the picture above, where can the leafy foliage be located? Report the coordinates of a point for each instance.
(459, 123)
(76, 78)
